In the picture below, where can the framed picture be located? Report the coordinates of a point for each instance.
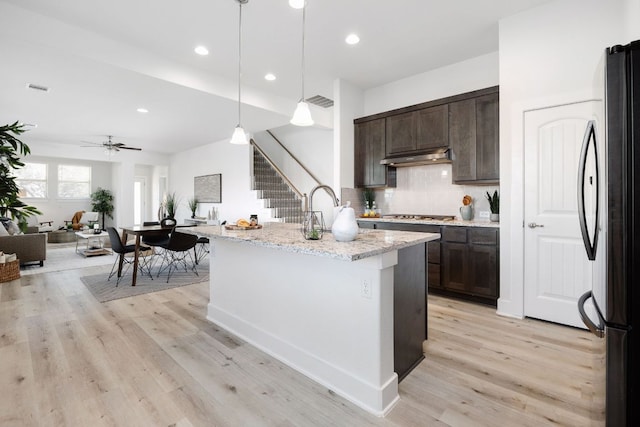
(208, 188)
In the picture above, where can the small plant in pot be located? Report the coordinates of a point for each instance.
(171, 205)
(193, 206)
(494, 205)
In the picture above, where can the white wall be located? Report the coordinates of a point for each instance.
(472, 74)
(233, 162)
(548, 56)
(348, 105)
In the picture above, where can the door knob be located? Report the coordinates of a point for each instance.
(534, 225)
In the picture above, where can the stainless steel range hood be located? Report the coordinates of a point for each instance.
(435, 156)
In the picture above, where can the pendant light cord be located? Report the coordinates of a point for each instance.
(239, 62)
(304, 10)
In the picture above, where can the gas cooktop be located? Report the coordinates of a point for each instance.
(423, 217)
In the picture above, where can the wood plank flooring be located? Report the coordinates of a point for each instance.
(154, 360)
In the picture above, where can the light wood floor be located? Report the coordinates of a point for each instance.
(154, 360)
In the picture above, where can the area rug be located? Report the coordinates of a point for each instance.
(105, 290)
(64, 257)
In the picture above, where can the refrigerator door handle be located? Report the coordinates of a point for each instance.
(588, 140)
(597, 330)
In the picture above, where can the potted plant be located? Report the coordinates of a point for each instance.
(193, 206)
(171, 205)
(494, 205)
(102, 202)
(11, 149)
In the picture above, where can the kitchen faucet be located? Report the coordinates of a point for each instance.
(326, 188)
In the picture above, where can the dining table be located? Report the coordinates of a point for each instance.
(139, 231)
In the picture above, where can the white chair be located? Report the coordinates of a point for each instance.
(43, 226)
(89, 218)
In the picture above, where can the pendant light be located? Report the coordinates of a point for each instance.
(239, 135)
(302, 115)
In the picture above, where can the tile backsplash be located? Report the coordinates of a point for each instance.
(424, 190)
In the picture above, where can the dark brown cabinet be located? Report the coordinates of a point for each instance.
(464, 264)
(369, 150)
(474, 139)
(470, 264)
(416, 131)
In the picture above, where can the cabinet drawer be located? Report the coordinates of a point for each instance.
(483, 236)
(454, 234)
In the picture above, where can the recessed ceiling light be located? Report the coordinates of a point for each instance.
(297, 4)
(271, 77)
(201, 50)
(142, 110)
(352, 39)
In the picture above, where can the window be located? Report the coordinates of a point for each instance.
(74, 182)
(32, 180)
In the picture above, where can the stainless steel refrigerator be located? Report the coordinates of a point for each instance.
(610, 223)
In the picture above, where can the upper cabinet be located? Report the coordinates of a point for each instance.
(474, 139)
(416, 131)
(466, 123)
(369, 150)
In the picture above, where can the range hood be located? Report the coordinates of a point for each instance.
(432, 157)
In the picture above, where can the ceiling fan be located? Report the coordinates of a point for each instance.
(111, 146)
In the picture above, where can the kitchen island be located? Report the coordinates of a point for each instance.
(323, 307)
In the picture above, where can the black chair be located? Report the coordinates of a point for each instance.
(123, 250)
(201, 249)
(177, 252)
(155, 239)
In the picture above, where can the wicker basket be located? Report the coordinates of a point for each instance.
(9, 271)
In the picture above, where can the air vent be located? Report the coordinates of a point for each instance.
(320, 101)
(37, 87)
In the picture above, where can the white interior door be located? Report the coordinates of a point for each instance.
(139, 197)
(556, 268)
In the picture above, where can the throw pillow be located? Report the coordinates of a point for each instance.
(3, 231)
(11, 227)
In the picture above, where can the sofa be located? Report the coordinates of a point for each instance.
(30, 247)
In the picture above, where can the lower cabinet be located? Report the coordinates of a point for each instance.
(469, 267)
(464, 264)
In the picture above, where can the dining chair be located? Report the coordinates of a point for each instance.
(123, 250)
(177, 253)
(201, 250)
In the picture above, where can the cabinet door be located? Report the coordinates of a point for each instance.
(376, 152)
(432, 127)
(462, 139)
(369, 149)
(400, 135)
(454, 267)
(359, 154)
(487, 138)
(483, 270)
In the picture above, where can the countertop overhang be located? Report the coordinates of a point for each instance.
(288, 237)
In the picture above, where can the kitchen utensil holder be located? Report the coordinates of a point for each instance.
(313, 225)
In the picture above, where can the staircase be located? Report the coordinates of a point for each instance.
(284, 204)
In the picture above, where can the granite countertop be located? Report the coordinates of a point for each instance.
(455, 222)
(288, 237)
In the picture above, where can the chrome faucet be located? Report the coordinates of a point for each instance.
(326, 188)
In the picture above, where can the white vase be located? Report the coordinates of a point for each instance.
(345, 227)
(494, 217)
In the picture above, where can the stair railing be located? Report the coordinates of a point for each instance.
(294, 158)
(301, 195)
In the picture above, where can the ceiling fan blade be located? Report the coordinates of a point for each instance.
(124, 147)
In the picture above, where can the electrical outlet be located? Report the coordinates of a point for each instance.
(484, 214)
(366, 289)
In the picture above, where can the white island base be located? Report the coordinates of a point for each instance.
(330, 319)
